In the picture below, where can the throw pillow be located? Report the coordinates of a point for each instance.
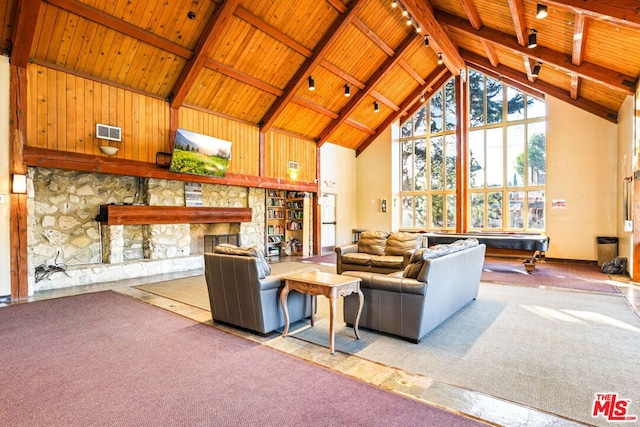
(264, 269)
(373, 242)
(401, 242)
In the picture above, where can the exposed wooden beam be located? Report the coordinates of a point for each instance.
(375, 78)
(386, 101)
(212, 32)
(472, 13)
(435, 85)
(519, 22)
(410, 100)
(616, 12)
(24, 29)
(579, 39)
(413, 73)
(337, 5)
(528, 68)
(327, 41)
(610, 78)
(422, 12)
(575, 87)
(357, 125)
(490, 50)
(269, 29)
(342, 74)
(371, 35)
(540, 86)
(121, 26)
(314, 107)
(242, 77)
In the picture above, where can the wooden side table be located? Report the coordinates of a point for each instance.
(331, 286)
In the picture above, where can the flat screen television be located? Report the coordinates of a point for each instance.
(199, 154)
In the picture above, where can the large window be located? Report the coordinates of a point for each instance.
(428, 156)
(507, 157)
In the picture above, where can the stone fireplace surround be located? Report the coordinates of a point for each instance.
(62, 206)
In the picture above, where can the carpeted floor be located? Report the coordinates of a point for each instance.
(106, 359)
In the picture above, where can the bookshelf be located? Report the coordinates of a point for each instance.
(298, 226)
(275, 223)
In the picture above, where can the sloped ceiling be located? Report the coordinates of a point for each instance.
(251, 60)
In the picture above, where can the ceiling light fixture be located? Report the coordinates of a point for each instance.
(394, 3)
(426, 40)
(421, 96)
(347, 90)
(536, 69)
(440, 58)
(191, 15)
(312, 84)
(533, 39)
(376, 107)
(409, 21)
(418, 28)
(541, 11)
(405, 12)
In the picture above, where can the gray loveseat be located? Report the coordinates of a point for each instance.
(436, 283)
(244, 293)
(378, 252)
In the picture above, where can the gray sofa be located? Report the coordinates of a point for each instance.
(378, 252)
(244, 293)
(436, 283)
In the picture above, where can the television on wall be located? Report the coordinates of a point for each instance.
(199, 154)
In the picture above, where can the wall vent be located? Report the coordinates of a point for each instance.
(111, 133)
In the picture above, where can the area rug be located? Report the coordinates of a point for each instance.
(552, 350)
(106, 359)
(329, 258)
(567, 275)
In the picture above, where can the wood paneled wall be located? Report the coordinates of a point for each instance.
(63, 110)
(281, 148)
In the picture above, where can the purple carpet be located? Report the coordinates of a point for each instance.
(330, 258)
(106, 359)
(580, 276)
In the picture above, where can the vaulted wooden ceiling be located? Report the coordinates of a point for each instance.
(251, 59)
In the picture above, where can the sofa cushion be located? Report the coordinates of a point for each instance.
(373, 242)
(264, 269)
(385, 261)
(401, 242)
(416, 269)
(357, 258)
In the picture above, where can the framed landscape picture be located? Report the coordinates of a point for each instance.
(199, 154)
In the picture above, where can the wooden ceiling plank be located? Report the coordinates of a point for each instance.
(423, 14)
(342, 74)
(472, 13)
(575, 87)
(371, 83)
(539, 86)
(250, 18)
(121, 26)
(242, 77)
(386, 101)
(24, 29)
(357, 22)
(357, 125)
(212, 32)
(579, 39)
(413, 73)
(519, 22)
(610, 78)
(616, 12)
(406, 104)
(330, 37)
(337, 5)
(314, 107)
(490, 50)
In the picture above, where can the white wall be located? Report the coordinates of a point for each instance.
(581, 169)
(338, 168)
(5, 265)
(625, 169)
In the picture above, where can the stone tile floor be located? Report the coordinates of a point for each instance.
(479, 406)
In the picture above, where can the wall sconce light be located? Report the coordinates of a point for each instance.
(312, 84)
(541, 11)
(376, 107)
(533, 39)
(19, 184)
(347, 90)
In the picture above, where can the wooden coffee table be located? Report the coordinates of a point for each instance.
(331, 286)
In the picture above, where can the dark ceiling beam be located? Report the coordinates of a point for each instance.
(242, 77)
(406, 104)
(329, 38)
(539, 86)
(121, 26)
(472, 13)
(269, 29)
(423, 14)
(490, 50)
(519, 22)
(24, 29)
(616, 12)
(212, 32)
(375, 78)
(610, 78)
(337, 5)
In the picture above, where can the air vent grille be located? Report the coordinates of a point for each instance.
(111, 133)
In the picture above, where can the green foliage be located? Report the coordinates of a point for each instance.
(536, 153)
(198, 163)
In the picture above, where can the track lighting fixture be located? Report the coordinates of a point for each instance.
(536, 69)
(409, 21)
(394, 3)
(418, 28)
(533, 39)
(440, 58)
(347, 89)
(426, 40)
(405, 12)
(541, 11)
(376, 107)
(421, 96)
(312, 84)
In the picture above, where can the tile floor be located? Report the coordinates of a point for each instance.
(485, 408)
